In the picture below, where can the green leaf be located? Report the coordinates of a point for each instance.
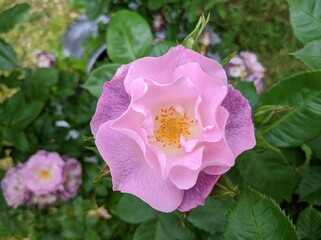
(161, 48)
(309, 224)
(310, 54)
(248, 90)
(98, 77)
(151, 230)
(95, 8)
(310, 187)
(128, 37)
(155, 4)
(8, 58)
(42, 82)
(18, 138)
(301, 123)
(26, 115)
(10, 17)
(315, 146)
(254, 216)
(305, 18)
(267, 172)
(133, 210)
(228, 58)
(175, 227)
(211, 217)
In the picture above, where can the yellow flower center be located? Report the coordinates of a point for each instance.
(44, 174)
(170, 125)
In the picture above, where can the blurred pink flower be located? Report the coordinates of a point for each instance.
(169, 127)
(43, 172)
(14, 190)
(72, 179)
(247, 67)
(43, 200)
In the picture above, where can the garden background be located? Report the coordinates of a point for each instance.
(50, 83)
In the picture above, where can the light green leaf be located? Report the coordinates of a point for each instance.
(210, 217)
(8, 58)
(310, 187)
(301, 122)
(133, 210)
(267, 172)
(309, 224)
(256, 217)
(10, 17)
(128, 37)
(311, 54)
(305, 18)
(161, 48)
(98, 77)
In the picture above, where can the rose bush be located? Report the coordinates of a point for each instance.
(169, 127)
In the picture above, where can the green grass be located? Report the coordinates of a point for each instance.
(262, 27)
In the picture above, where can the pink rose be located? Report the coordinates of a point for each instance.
(14, 190)
(43, 172)
(169, 127)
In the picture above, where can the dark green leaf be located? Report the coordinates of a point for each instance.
(98, 77)
(248, 90)
(128, 37)
(210, 217)
(8, 58)
(256, 217)
(155, 4)
(133, 210)
(18, 138)
(309, 224)
(174, 226)
(161, 48)
(151, 230)
(95, 8)
(10, 17)
(26, 115)
(311, 54)
(267, 172)
(315, 145)
(301, 123)
(310, 187)
(42, 81)
(306, 19)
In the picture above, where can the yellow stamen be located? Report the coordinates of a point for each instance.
(170, 125)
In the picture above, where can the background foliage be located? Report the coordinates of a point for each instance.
(273, 192)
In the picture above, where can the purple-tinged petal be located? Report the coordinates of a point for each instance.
(239, 130)
(113, 101)
(131, 173)
(196, 195)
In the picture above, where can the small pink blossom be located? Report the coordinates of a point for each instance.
(43, 200)
(247, 67)
(14, 190)
(43, 172)
(169, 127)
(72, 179)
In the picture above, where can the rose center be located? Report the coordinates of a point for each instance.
(170, 125)
(44, 174)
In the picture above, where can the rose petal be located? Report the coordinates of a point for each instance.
(113, 101)
(195, 196)
(239, 130)
(130, 172)
(209, 66)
